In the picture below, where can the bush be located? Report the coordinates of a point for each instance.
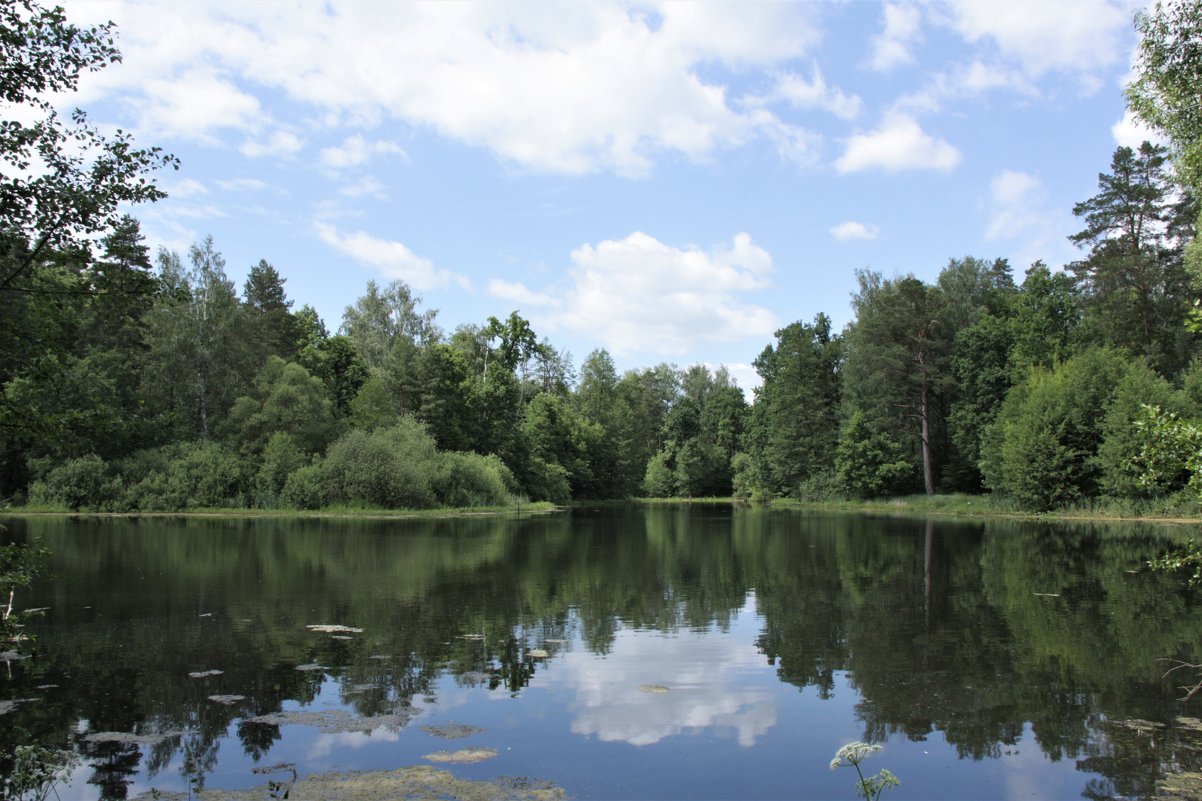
(392, 468)
(304, 488)
(186, 475)
(469, 479)
(869, 463)
(83, 483)
(281, 457)
(1041, 449)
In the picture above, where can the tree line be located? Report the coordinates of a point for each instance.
(135, 385)
(132, 383)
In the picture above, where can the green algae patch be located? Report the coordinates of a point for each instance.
(129, 738)
(417, 783)
(336, 721)
(652, 688)
(463, 756)
(227, 700)
(452, 731)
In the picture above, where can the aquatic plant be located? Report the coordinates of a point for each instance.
(37, 771)
(869, 787)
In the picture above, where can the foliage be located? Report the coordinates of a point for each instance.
(36, 772)
(392, 468)
(870, 787)
(19, 566)
(1041, 449)
(185, 475)
(1168, 71)
(868, 462)
(62, 181)
(78, 484)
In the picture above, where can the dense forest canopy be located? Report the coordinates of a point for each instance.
(138, 382)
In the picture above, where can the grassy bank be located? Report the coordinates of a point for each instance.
(981, 506)
(333, 512)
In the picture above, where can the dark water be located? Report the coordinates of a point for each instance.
(705, 653)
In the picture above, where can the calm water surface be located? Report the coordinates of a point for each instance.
(641, 653)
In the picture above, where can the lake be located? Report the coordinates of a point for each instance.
(625, 652)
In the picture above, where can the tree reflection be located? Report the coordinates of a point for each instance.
(979, 632)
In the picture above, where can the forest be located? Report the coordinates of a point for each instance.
(132, 381)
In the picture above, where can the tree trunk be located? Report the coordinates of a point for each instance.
(928, 476)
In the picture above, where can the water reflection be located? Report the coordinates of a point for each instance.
(636, 626)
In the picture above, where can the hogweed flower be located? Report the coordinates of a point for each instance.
(871, 787)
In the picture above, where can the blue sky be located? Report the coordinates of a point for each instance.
(671, 181)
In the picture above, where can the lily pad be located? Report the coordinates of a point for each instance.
(311, 666)
(538, 653)
(333, 628)
(452, 731)
(204, 674)
(652, 688)
(11, 656)
(463, 756)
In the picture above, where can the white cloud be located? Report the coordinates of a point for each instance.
(846, 231)
(366, 186)
(1015, 200)
(195, 105)
(815, 93)
(391, 258)
(1131, 132)
(1020, 213)
(899, 144)
(188, 187)
(638, 295)
(242, 184)
(571, 88)
(891, 47)
(714, 682)
(280, 143)
(356, 150)
(1078, 36)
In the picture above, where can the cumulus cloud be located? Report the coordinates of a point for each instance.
(1078, 36)
(846, 231)
(393, 259)
(1019, 212)
(713, 684)
(816, 93)
(355, 150)
(892, 46)
(899, 144)
(588, 87)
(1131, 132)
(279, 143)
(639, 295)
(1015, 200)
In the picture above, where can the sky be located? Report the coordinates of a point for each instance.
(671, 181)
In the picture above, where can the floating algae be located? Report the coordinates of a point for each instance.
(311, 666)
(9, 706)
(537, 653)
(204, 674)
(474, 678)
(12, 656)
(129, 738)
(419, 783)
(652, 688)
(462, 756)
(335, 721)
(227, 699)
(333, 628)
(452, 731)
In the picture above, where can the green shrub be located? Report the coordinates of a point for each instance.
(469, 479)
(1042, 448)
(186, 475)
(392, 468)
(78, 484)
(304, 488)
(281, 457)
